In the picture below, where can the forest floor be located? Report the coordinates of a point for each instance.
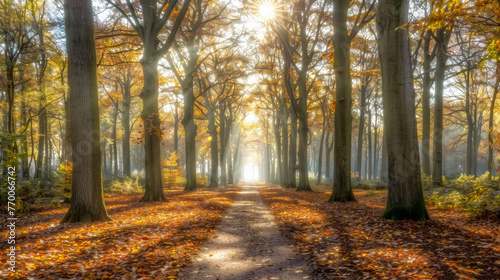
(352, 241)
(267, 233)
(145, 240)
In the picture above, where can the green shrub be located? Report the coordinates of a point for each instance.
(125, 185)
(478, 196)
(202, 182)
(171, 172)
(63, 181)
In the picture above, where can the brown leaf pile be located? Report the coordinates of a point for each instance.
(145, 240)
(352, 241)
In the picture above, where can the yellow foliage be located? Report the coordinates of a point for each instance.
(171, 171)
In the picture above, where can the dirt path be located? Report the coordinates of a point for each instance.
(248, 245)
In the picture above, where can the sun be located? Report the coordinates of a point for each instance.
(267, 10)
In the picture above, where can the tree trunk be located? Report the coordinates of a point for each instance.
(236, 166)
(229, 164)
(426, 107)
(284, 144)
(24, 137)
(152, 131)
(67, 126)
(41, 140)
(292, 155)
(188, 118)
(383, 161)
(361, 130)
(329, 148)
(277, 138)
(370, 150)
(405, 196)
(342, 190)
(442, 44)
(491, 142)
(48, 150)
(176, 132)
(113, 136)
(212, 130)
(375, 152)
(87, 200)
(10, 97)
(320, 156)
(104, 161)
(470, 123)
(126, 127)
(222, 132)
(267, 155)
(303, 131)
(477, 141)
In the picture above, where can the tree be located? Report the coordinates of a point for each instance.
(87, 201)
(309, 17)
(149, 27)
(405, 197)
(496, 89)
(342, 190)
(200, 20)
(16, 40)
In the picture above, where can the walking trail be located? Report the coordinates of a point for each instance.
(248, 245)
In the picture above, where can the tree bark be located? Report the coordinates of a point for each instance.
(126, 126)
(152, 131)
(188, 117)
(477, 141)
(320, 157)
(303, 131)
(383, 161)
(113, 136)
(491, 142)
(222, 132)
(342, 190)
(212, 130)
(442, 38)
(42, 131)
(370, 150)
(426, 107)
(277, 138)
(284, 144)
(405, 196)
(361, 130)
(329, 148)
(229, 163)
(267, 171)
(470, 123)
(104, 160)
(87, 200)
